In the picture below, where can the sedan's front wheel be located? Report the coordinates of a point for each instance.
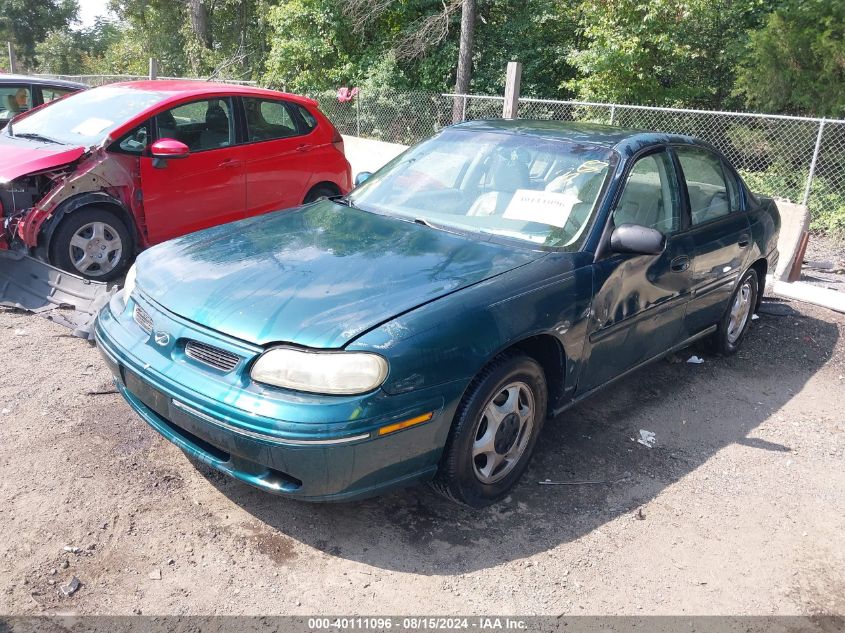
(494, 432)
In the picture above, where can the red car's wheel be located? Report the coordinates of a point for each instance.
(92, 242)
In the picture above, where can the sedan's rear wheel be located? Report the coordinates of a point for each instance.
(494, 432)
(92, 242)
(737, 318)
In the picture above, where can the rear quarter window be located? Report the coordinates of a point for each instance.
(309, 119)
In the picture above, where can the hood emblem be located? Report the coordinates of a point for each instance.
(161, 338)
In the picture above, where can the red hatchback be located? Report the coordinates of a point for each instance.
(91, 179)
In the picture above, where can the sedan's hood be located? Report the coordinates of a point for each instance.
(19, 157)
(316, 276)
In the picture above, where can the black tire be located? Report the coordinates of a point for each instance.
(320, 191)
(459, 476)
(115, 263)
(727, 339)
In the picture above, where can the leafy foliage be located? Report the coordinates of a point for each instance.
(796, 62)
(25, 23)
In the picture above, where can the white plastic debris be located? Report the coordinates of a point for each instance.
(155, 574)
(695, 360)
(754, 317)
(647, 438)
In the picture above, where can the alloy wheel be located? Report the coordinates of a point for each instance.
(95, 249)
(503, 432)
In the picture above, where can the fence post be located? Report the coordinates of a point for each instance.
(464, 109)
(358, 114)
(513, 76)
(613, 114)
(813, 163)
(13, 61)
(153, 68)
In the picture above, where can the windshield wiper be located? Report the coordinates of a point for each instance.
(38, 137)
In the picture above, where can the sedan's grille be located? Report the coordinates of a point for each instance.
(212, 356)
(144, 320)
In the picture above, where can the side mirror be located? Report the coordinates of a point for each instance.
(362, 177)
(637, 239)
(169, 148)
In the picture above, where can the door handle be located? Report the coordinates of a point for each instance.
(744, 240)
(230, 162)
(679, 264)
(305, 147)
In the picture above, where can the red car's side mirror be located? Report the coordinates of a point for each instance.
(169, 148)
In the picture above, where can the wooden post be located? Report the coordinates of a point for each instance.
(153, 68)
(512, 80)
(13, 61)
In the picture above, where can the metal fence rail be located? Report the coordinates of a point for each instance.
(101, 80)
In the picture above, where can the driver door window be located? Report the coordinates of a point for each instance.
(201, 125)
(651, 196)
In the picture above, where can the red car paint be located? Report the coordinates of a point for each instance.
(199, 191)
(25, 161)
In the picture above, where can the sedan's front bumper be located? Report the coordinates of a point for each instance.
(309, 457)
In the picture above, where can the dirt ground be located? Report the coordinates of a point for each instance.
(739, 508)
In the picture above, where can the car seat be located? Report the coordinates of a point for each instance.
(216, 133)
(506, 176)
(166, 125)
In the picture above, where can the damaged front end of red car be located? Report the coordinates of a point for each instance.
(36, 191)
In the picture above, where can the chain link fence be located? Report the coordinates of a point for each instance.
(795, 158)
(102, 80)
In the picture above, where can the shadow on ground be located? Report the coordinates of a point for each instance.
(694, 410)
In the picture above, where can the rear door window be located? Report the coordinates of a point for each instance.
(14, 99)
(268, 119)
(49, 93)
(709, 195)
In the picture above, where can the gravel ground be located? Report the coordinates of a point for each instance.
(738, 509)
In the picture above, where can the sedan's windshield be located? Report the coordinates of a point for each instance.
(85, 118)
(515, 186)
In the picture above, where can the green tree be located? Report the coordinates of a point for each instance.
(68, 51)
(27, 22)
(663, 52)
(796, 62)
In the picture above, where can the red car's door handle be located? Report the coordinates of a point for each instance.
(744, 240)
(231, 162)
(305, 147)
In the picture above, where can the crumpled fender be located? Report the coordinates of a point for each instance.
(114, 176)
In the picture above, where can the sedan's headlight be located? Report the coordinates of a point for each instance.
(129, 283)
(333, 373)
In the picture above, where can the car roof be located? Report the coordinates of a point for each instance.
(180, 88)
(41, 81)
(623, 140)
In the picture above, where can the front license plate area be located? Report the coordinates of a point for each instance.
(150, 396)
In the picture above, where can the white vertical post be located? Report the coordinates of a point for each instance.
(153, 68)
(464, 109)
(513, 77)
(813, 163)
(613, 114)
(13, 61)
